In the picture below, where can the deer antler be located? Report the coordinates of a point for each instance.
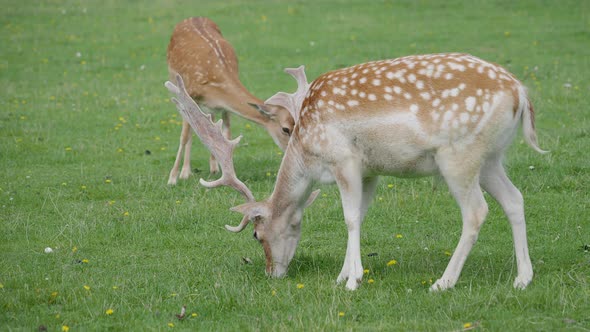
(212, 137)
(292, 101)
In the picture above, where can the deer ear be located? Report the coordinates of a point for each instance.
(312, 198)
(283, 99)
(252, 210)
(265, 110)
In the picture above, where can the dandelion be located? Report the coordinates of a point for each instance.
(399, 236)
(65, 328)
(267, 173)
(119, 150)
(157, 138)
(83, 187)
(68, 148)
(194, 314)
(370, 281)
(126, 214)
(341, 314)
(54, 294)
(177, 202)
(390, 185)
(448, 253)
(85, 261)
(366, 271)
(115, 287)
(107, 181)
(111, 202)
(248, 126)
(380, 198)
(86, 287)
(467, 325)
(507, 33)
(300, 286)
(170, 324)
(109, 311)
(64, 184)
(273, 293)
(1, 285)
(324, 195)
(391, 262)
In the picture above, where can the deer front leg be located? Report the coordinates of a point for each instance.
(349, 181)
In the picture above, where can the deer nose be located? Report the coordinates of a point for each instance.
(255, 235)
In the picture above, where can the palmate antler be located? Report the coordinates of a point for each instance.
(212, 137)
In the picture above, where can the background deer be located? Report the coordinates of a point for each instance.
(208, 65)
(448, 114)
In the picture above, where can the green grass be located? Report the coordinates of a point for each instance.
(69, 123)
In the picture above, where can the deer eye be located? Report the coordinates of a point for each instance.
(287, 131)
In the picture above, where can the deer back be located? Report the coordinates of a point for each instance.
(198, 51)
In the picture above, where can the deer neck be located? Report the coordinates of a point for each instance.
(293, 185)
(238, 101)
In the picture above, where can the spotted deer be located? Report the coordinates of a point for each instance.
(209, 67)
(452, 115)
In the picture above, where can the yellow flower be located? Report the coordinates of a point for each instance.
(85, 261)
(273, 293)
(248, 126)
(300, 286)
(126, 214)
(68, 149)
(194, 314)
(366, 271)
(178, 202)
(83, 187)
(65, 328)
(391, 262)
(390, 185)
(399, 236)
(64, 184)
(341, 314)
(109, 311)
(267, 173)
(119, 150)
(467, 325)
(170, 324)
(370, 281)
(54, 294)
(74, 249)
(1, 285)
(115, 287)
(448, 253)
(107, 181)
(86, 287)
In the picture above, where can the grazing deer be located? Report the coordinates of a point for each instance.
(448, 114)
(209, 66)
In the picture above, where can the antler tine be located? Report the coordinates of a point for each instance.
(292, 101)
(212, 137)
(299, 75)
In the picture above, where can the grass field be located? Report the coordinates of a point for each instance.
(88, 135)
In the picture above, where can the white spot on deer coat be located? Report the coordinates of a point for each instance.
(352, 103)
(470, 103)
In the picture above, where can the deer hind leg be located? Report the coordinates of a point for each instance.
(462, 176)
(186, 138)
(495, 181)
(352, 193)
